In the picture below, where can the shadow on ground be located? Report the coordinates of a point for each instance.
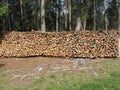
(1, 65)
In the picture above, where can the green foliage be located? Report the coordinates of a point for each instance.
(3, 10)
(84, 10)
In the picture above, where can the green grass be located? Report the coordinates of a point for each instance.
(108, 79)
(77, 83)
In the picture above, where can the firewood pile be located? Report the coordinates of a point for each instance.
(83, 44)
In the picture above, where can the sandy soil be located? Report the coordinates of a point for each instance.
(24, 70)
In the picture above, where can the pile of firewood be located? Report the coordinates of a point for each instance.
(83, 44)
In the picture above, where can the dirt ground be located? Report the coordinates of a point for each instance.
(24, 70)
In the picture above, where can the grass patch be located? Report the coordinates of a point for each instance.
(109, 79)
(77, 83)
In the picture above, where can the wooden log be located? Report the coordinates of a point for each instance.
(65, 44)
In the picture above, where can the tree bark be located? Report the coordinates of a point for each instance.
(95, 15)
(8, 17)
(106, 18)
(118, 14)
(12, 16)
(66, 15)
(78, 21)
(38, 15)
(106, 22)
(84, 25)
(57, 16)
(22, 17)
(69, 14)
(43, 26)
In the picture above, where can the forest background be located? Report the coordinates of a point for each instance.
(59, 15)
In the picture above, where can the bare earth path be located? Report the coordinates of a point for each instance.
(24, 70)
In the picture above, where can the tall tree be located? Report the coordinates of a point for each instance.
(57, 15)
(66, 14)
(106, 21)
(106, 18)
(43, 26)
(85, 4)
(22, 17)
(118, 14)
(8, 16)
(78, 21)
(38, 14)
(12, 15)
(95, 9)
(69, 15)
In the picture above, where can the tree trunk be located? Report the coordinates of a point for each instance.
(106, 22)
(119, 14)
(78, 21)
(69, 14)
(57, 16)
(95, 15)
(8, 17)
(66, 14)
(84, 25)
(98, 14)
(12, 16)
(38, 15)
(106, 18)
(43, 26)
(22, 17)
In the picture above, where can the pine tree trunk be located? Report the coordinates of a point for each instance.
(119, 14)
(43, 26)
(66, 14)
(106, 22)
(78, 21)
(94, 15)
(12, 16)
(69, 14)
(106, 18)
(8, 17)
(57, 16)
(22, 17)
(84, 25)
(38, 15)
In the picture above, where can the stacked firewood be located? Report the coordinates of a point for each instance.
(85, 44)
